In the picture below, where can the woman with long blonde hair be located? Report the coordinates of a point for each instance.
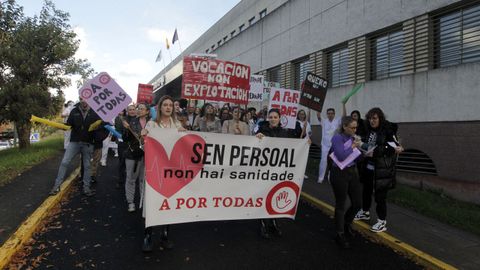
(166, 118)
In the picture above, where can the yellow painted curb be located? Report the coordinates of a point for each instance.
(414, 254)
(29, 226)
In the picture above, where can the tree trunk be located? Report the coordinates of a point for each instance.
(23, 128)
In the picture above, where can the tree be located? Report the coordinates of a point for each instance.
(38, 57)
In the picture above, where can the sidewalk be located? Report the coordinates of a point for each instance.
(446, 243)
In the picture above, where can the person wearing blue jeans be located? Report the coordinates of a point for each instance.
(81, 141)
(73, 149)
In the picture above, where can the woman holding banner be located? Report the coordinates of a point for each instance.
(166, 118)
(344, 179)
(271, 128)
(235, 125)
(207, 121)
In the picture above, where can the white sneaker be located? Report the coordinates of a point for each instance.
(131, 207)
(103, 163)
(305, 177)
(380, 226)
(362, 215)
(116, 155)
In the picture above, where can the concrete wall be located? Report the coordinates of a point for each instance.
(446, 94)
(301, 27)
(451, 145)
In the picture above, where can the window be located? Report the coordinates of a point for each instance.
(457, 37)
(225, 38)
(232, 34)
(207, 50)
(263, 13)
(337, 66)
(251, 21)
(213, 47)
(300, 68)
(219, 43)
(273, 75)
(387, 55)
(241, 27)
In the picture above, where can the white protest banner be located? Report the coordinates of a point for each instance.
(105, 96)
(208, 176)
(286, 100)
(256, 88)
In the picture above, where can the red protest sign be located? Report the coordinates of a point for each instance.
(145, 93)
(215, 80)
(314, 90)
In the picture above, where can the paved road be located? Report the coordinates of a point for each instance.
(98, 233)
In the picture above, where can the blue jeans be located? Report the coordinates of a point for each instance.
(72, 150)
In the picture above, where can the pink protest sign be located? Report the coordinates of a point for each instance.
(105, 96)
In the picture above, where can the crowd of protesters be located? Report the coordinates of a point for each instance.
(371, 173)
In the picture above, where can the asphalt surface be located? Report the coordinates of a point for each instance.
(99, 233)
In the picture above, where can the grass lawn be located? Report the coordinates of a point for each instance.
(465, 216)
(14, 161)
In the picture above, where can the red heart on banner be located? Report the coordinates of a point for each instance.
(169, 175)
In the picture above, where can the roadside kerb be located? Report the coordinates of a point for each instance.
(409, 251)
(25, 231)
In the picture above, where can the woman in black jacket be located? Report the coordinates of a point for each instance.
(271, 128)
(378, 170)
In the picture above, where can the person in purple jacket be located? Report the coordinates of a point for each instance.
(345, 182)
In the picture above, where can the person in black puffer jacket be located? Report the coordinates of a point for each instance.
(378, 169)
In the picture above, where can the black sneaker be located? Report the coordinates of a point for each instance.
(93, 180)
(147, 243)
(54, 191)
(342, 241)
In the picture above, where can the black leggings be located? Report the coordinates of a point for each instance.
(380, 195)
(345, 183)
